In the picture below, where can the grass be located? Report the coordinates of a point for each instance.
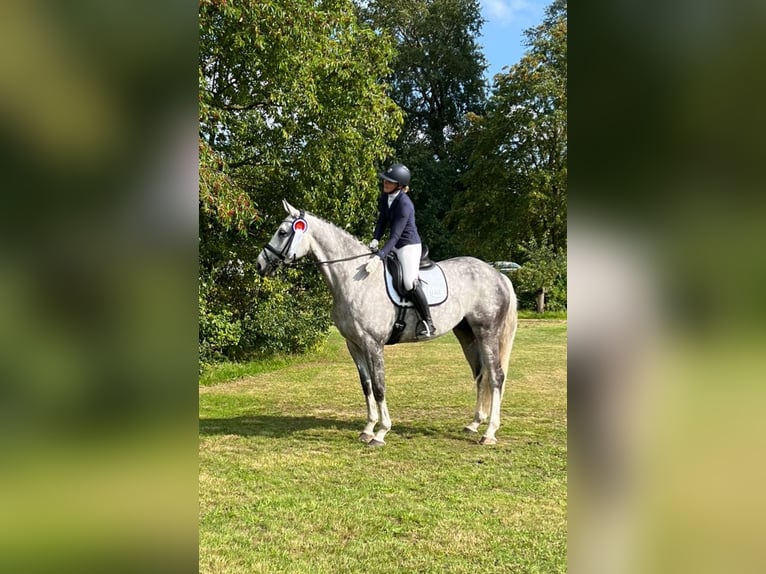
(284, 486)
(544, 315)
(228, 371)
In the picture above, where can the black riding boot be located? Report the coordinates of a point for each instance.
(425, 325)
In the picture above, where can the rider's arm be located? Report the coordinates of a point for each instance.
(401, 215)
(380, 224)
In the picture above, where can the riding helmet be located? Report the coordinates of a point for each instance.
(397, 173)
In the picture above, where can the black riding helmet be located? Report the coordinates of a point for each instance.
(397, 173)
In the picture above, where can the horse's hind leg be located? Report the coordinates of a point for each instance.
(470, 347)
(364, 377)
(494, 379)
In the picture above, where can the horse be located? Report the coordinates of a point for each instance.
(481, 310)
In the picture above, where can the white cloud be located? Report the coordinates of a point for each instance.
(504, 11)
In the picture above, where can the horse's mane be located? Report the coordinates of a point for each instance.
(345, 235)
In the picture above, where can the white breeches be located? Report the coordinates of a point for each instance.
(409, 257)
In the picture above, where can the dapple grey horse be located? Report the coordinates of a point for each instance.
(480, 310)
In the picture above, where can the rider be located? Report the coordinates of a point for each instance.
(395, 210)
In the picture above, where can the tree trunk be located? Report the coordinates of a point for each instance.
(540, 297)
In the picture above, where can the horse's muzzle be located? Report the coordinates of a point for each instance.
(264, 265)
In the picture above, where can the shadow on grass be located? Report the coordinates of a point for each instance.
(282, 426)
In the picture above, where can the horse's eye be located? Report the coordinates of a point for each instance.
(282, 233)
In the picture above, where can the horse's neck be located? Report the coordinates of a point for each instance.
(331, 243)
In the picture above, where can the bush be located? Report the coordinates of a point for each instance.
(544, 269)
(289, 313)
(219, 331)
(243, 315)
(555, 297)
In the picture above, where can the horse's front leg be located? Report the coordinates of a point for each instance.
(368, 434)
(369, 363)
(377, 375)
(364, 378)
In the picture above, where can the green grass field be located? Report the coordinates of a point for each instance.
(284, 485)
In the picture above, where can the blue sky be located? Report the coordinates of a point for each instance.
(503, 30)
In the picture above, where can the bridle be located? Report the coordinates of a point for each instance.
(298, 227)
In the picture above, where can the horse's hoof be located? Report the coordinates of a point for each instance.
(364, 437)
(467, 429)
(488, 440)
(375, 442)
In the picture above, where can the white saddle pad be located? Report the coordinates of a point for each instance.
(434, 286)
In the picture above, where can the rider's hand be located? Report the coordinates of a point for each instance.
(372, 264)
(373, 245)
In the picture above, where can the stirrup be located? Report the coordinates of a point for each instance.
(424, 330)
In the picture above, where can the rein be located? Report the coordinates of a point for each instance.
(336, 260)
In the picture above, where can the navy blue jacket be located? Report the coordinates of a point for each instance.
(400, 218)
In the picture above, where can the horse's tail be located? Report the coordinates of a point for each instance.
(508, 333)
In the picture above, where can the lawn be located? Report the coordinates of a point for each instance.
(284, 485)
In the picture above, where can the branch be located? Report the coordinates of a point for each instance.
(250, 160)
(237, 108)
(218, 102)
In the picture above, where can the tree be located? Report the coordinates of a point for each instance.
(436, 78)
(517, 181)
(543, 272)
(292, 105)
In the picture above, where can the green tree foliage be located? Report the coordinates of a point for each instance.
(517, 181)
(436, 78)
(437, 73)
(542, 278)
(518, 165)
(292, 105)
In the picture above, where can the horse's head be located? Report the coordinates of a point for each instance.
(288, 244)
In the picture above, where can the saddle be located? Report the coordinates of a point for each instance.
(432, 280)
(394, 267)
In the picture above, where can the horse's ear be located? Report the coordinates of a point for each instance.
(290, 209)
